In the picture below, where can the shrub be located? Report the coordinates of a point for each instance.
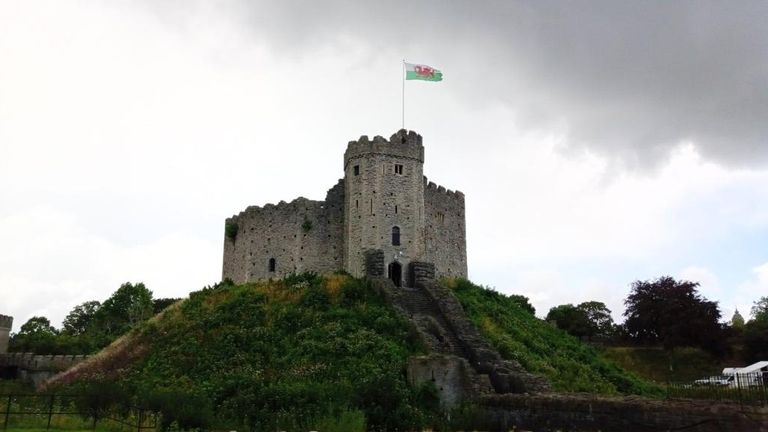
(230, 229)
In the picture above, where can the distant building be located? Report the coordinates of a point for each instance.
(383, 217)
(737, 320)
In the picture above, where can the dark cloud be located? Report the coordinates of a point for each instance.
(629, 80)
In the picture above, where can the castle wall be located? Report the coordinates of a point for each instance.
(379, 198)
(6, 323)
(302, 235)
(445, 230)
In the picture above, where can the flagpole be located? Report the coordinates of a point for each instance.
(403, 73)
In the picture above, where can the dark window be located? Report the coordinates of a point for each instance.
(272, 264)
(395, 236)
(357, 169)
(398, 169)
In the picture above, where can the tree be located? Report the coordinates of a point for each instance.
(599, 317)
(588, 319)
(80, 318)
(672, 313)
(37, 335)
(571, 319)
(760, 309)
(128, 306)
(756, 340)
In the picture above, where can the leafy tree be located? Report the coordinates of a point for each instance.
(37, 325)
(756, 340)
(599, 316)
(36, 335)
(128, 306)
(80, 318)
(760, 309)
(673, 313)
(571, 319)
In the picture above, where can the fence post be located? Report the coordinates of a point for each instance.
(141, 416)
(7, 412)
(50, 411)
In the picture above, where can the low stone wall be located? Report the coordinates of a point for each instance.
(586, 413)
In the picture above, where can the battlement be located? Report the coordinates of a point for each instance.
(34, 362)
(431, 187)
(6, 322)
(405, 144)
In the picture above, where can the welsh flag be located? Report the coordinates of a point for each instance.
(422, 72)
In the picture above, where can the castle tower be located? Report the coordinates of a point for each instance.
(6, 324)
(384, 202)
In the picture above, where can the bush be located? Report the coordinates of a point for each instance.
(230, 229)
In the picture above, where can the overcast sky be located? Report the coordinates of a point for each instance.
(597, 143)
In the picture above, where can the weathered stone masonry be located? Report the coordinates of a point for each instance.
(6, 323)
(383, 204)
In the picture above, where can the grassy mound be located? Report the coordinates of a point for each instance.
(313, 353)
(301, 353)
(541, 348)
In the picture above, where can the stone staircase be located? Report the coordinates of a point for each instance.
(446, 330)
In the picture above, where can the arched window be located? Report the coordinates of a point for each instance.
(395, 236)
(272, 264)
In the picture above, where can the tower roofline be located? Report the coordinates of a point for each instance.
(403, 143)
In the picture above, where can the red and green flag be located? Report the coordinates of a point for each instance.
(422, 72)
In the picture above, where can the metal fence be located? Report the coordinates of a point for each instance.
(52, 411)
(746, 389)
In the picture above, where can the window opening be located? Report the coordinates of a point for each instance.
(398, 169)
(357, 169)
(272, 264)
(395, 209)
(395, 236)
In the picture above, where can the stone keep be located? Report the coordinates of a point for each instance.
(382, 217)
(6, 323)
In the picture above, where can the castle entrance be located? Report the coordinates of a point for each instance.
(395, 272)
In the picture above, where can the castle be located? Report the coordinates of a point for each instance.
(382, 218)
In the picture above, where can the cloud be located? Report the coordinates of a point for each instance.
(630, 81)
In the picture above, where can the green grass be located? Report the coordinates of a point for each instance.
(541, 348)
(680, 365)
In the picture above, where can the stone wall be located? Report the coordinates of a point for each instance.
(302, 235)
(6, 323)
(451, 376)
(579, 412)
(34, 362)
(384, 190)
(445, 230)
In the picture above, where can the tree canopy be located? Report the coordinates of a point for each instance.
(672, 313)
(588, 319)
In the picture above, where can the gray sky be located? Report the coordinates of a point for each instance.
(597, 142)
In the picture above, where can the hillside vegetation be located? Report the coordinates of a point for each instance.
(540, 347)
(309, 352)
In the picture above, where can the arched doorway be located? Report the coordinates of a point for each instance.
(395, 272)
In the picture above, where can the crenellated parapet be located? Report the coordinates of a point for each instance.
(6, 322)
(433, 188)
(403, 144)
(34, 362)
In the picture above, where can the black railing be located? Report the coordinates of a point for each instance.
(749, 389)
(52, 411)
